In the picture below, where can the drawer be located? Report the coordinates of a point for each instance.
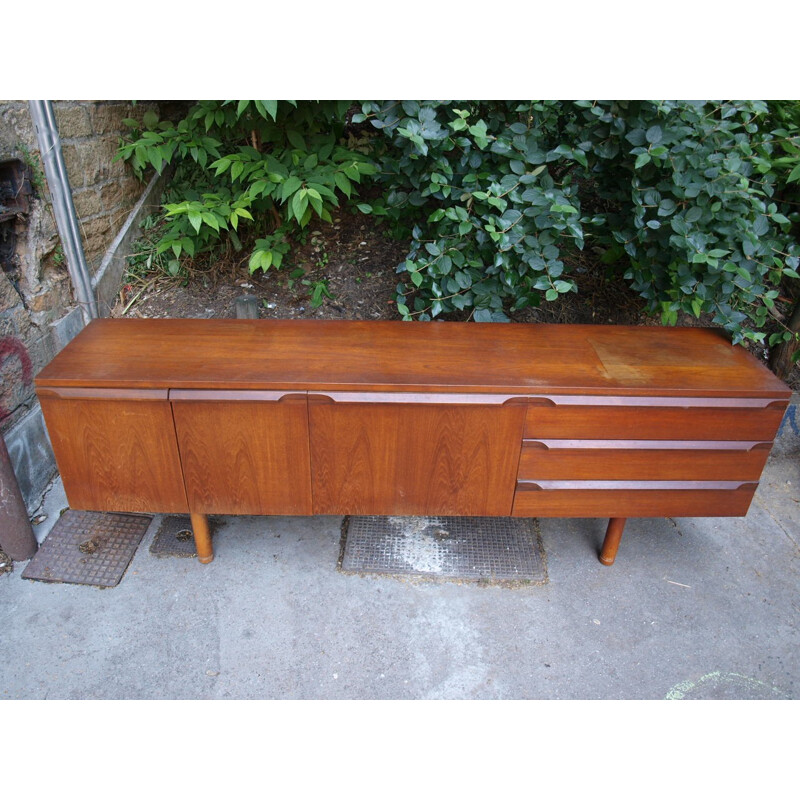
(653, 418)
(632, 499)
(654, 460)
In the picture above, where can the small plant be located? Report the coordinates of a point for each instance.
(319, 290)
(33, 163)
(248, 171)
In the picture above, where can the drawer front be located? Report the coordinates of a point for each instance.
(590, 421)
(621, 459)
(631, 502)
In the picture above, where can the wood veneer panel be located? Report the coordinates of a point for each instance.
(633, 502)
(539, 463)
(116, 454)
(641, 422)
(244, 457)
(409, 459)
(395, 356)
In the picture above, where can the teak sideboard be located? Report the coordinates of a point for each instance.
(392, 418)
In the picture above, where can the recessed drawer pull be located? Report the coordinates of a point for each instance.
(643, 444)
(678, 402)
(418, 398)
(69, 393)
(631, 485)
(234, 395)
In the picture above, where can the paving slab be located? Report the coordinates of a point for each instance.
(692, 609)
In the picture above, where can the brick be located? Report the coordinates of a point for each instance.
(72, 121)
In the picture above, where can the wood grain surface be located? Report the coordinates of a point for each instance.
(642, 422)
(396, 356)
(116, 455)
(244, 456)
(539, 463)
(634, 502)
(409, 459)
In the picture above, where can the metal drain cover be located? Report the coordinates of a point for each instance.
(91, 548)
(174, 537)
(466, 548)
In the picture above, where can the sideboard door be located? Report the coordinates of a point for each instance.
(244, 452)
(115, 449)
(378, 453)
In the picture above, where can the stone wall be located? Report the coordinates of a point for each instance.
(35, 289)
(38, 314)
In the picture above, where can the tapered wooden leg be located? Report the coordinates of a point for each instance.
(611, 543)
(202, 538)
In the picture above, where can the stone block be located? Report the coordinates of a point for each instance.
(107, 117)
(96, 233)
(72, 161)
(111, 195)
(97, 157)
(72, 120)
(87, 203)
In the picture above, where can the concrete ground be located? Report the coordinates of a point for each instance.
(693, 609)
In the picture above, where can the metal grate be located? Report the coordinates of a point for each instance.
(466, 548)
(174, 537)
(88, 547)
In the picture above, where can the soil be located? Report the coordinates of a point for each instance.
(357, 257)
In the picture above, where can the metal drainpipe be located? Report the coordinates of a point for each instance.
(63, 207)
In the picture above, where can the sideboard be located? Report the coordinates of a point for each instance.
(389, 418)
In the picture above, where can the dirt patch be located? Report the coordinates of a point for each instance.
(350, 265)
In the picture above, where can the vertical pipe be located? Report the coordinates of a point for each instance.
(63, 207)
(16, 534)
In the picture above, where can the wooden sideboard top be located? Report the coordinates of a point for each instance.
(337, 355)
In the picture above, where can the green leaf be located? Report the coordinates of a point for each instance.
(403, 309)
(343, 183)
(296, 140)
(654, 134)
(364, 208)
(196, 220)
(241, 107)
(271, 107)
(416, 278)
(551, 294)
(299, 205)
(641, 160)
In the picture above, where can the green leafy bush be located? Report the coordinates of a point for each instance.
(248, 172)
(689, 197)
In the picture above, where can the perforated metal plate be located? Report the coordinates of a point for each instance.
(464, 548)
(88, 547)
(174, 537)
